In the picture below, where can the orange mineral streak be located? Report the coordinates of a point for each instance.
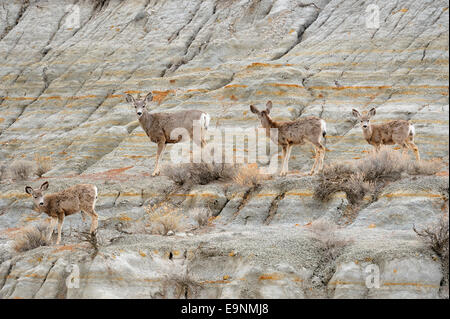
(270, 277)
(65, 248)
(159, 96)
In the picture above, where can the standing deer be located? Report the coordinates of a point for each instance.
(70, 201)
(399, 132)
(159, 126)
(307, 129)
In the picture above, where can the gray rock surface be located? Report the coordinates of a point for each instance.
(61, 96)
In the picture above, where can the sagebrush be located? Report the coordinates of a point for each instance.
(163, 218)
(367, 176)
(199, 173)
(31, 237)
(201, 215)
(21, 169)
(43, 164)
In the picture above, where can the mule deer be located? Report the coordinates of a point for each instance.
(399, 132)
(307, 129)
(159, 126)
(72, 200)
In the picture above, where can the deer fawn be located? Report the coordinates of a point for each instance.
(307, 129)
(159, 126)
(399, 132)
(72, 200)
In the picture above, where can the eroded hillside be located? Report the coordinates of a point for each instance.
(62, 97)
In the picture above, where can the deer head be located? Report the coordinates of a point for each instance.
(264, 114)
(364, 118)
(139, 104)
(38, 196)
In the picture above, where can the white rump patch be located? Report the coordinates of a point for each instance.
(323, 125)
(204, 120)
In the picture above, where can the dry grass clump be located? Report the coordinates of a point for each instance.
(21, 169)
(384, 164)
(340, 178)
(249, 175)
(369, 174)
(176, 276)
(163, 218)
(425, 167)
(435, 236)
(31, 237)
(43, 164)
(91, 239)
(198, 173)
(326, 233)
(201, 215)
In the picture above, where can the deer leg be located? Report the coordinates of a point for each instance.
(415, 149)
(283, 160)
(94, 220)
(159, 152)
(316, 159)
(288, 156)
(83, 216)
(321, 157)
(52, 227)
(60, 223)
(405, 148)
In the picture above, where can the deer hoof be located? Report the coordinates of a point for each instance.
(155, 173)
(283, 173)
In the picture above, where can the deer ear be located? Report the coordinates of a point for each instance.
(129, 98)
(356, 113)
(372, 111)
(28, 189)
(44, 186)
(269, 106)
(148, 97)
(254, 109)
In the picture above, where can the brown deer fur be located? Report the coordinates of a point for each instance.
(70, 201)
(399, 132)
(159, 126)
(307, 129)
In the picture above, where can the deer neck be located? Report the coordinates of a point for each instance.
(368, 132)
(268, 123)
(146, 119)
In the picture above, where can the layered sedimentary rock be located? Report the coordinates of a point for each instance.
(63, 80)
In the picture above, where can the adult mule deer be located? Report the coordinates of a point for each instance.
(307, 129)
(78, 198)
(399, 132)
(159, 126)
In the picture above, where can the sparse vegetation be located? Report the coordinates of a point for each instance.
(249, 175)
(198, 173)
(425, 167)
(176, 275)
(326, 233)
(331, 246)
(31, 237)
(436, 236)
(21, 169)
(43, 164)
(369, 175)
(91, 239)
(163, 218)
(201, 215)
